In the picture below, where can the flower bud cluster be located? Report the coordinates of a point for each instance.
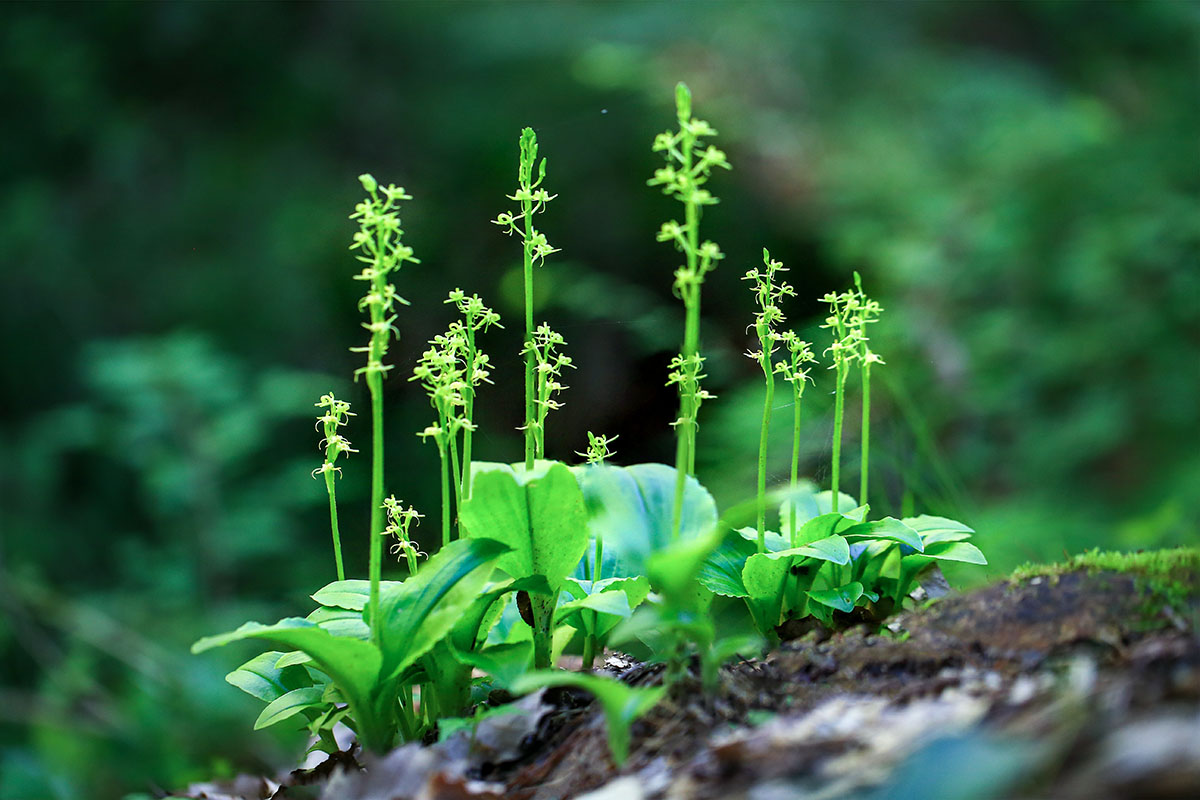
(849, 314)
(548, 367)
(597, 449)
(769, 292)
(689, 164)
(334, 444)
(382, 252)
(532, 198)
(400, 520)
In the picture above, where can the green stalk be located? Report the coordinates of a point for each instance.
(445, 470)
(455, 473)
(866, 430)
(793, 477)
(768, 400)
(375, 567)
(527, 209)
(839, 397)
(469, 410)
(333, 522)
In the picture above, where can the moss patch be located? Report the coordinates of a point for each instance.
(1169, 580)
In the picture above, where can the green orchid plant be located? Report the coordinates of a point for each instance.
(540, 557)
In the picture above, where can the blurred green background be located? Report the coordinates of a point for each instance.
(1017, 183)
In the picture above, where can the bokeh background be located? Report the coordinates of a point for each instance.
(1018, 183)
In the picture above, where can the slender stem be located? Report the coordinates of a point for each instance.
(795, 473)
(838, 402)
(455, 474)
(333, 523)
(527, 208)
(375, 385)
(469, 398)
(589, 650)
(768, 399)
(866, 431)
(445, 470)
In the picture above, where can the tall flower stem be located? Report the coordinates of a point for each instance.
(866, 432)
(381, 250)
(535, 248)
(838, 412)
(768, 293)
(683, 177)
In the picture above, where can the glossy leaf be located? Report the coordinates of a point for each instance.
(353, 664)
(774, 541)
(841, 598)
(632, 510)
(887, 528)
(263, 677)
(289, 705)
(341, 622)
(504, 662)
(539, 514)
(349, 594)
(810, 504)
(955, 551)
(721, 572)
(765, 579)
(417, 613)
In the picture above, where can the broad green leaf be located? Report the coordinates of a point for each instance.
(349, 594)
(538, 514)
(504, 662)
(721, 572)
(833, 549)
(485, 609)
(341, 622)
(289, 705)
(622, 704)
(352, 664)
(420, 611)
(635, 591)
(673, 569)
(810, 503)
(822, 527)
(887, 528)
(926, 523)
(955, 551)
(294, 658)
(631, 509)
(614, 603)
(765, 578)
(774, 541)
(841, 598)
(263, 677)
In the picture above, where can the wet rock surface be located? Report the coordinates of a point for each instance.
(1073, 686)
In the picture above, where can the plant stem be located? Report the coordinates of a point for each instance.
(793, 477)
(375, 385)
(469, 409)
(768, 399)
(839, 397)
(333, 522)
(530, 444)
(866, 430)
(455, 474)
(445, 470)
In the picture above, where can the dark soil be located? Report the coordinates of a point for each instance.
(1070, 686)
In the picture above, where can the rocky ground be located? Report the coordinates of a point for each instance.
(1072, 684)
